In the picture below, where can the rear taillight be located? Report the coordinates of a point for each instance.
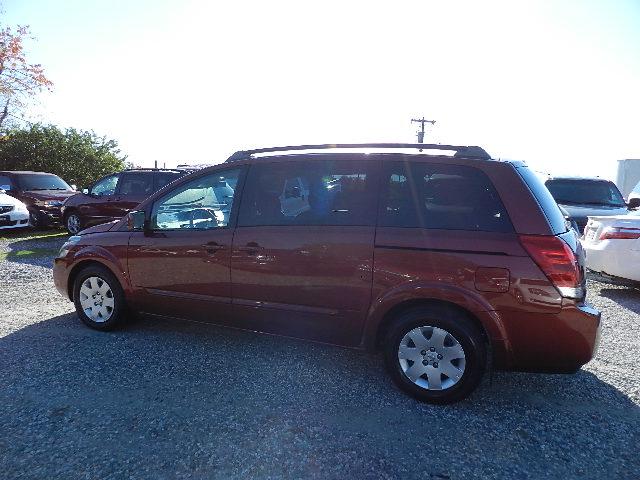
(557, 261)
(620, 233)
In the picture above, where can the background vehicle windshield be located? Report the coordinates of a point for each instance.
(587, 192)
(44, 181)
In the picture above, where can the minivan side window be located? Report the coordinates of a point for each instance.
(165, 178)
(136, 183)
(106, 186)
(438, 196)
(317, 192)
(202, 204)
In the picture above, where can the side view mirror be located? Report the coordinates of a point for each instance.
(85, 191)
(634, 203)
(74, 187)
(137, 221)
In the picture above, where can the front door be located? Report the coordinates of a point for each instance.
(97, 207)
(181, 266)
(302, 254)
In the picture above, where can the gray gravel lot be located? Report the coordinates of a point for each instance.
(171, 399)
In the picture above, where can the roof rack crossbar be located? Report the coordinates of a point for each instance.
(460, 150)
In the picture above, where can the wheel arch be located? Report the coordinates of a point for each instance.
(390, 316)
(480, 314)
(75, 271)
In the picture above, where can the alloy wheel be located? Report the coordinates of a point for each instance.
(73, 223)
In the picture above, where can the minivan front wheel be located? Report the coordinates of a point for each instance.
(98, 298)
(72, 223)
(436, 354)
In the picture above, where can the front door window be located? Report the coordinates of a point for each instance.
(202, 204)
(106, 186)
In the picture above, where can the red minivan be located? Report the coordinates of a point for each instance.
(442, 258)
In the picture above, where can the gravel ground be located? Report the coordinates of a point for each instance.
(170, 399)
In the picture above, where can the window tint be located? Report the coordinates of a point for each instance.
(316, 192)
(106, 186)
(202, 204)
(448, 197)
(136, 184)
(165, 178)
(5, 182)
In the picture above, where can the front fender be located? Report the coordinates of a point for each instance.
(114, 261)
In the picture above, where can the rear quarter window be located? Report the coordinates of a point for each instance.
(545, 200)
(438, 196)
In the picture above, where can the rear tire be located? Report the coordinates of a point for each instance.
(98, 298)
(435, 354)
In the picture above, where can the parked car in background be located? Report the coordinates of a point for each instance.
(42, 193)
(584, 197)
(112, 196)
(613, 247)
(440, 261)
(13, 213)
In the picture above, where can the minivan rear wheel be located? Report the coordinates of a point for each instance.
(98, 298)
(436, 354)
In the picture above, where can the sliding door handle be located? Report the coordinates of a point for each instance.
(251, 248)
(212, 247)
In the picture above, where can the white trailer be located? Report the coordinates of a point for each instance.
(628, 175)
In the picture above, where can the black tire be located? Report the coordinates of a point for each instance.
(118, 311)
(461, 328)
(69, 228)
(34, 221)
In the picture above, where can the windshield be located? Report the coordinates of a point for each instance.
(42, 181)
(585, 192)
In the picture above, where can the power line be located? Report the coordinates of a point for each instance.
(420, 132)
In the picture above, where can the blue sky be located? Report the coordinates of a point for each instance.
(554, 83)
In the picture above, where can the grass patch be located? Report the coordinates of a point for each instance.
(24, 254)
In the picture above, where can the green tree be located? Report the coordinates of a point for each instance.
(79, 157)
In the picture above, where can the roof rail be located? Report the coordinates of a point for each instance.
(461, 151)
(153, 169)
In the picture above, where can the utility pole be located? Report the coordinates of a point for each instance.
(422, 121)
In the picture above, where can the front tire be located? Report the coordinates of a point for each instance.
(34, 221)
(98, 298)
(436, 354)
(72, 223)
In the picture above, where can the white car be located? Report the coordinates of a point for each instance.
(13, 213)
(612, 245)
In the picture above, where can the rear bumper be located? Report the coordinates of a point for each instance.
(614, 258)
(554, 343)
